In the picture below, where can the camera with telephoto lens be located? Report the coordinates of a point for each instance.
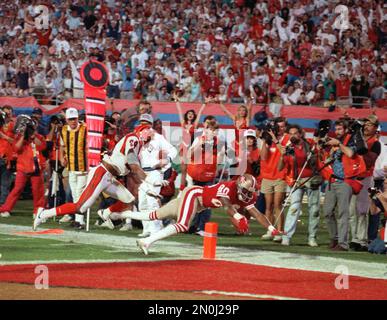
(324, 126)
(25, 125)
(372, 192)
(270, 125)
(355, 129)
(289, 151)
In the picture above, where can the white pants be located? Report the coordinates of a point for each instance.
(77, 182)
(100, 180)
(147, 202)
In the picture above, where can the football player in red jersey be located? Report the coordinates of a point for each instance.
(228, 195)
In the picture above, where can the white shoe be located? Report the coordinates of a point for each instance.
(107, 224)
(267, 236)
(65, 218)
(285, 242)
(104, 215)
(38, 220)
(312, 243)
(5, 214)
(144, 234)
(126, 227)
(277, 238)
(143, 246)
(200, 233)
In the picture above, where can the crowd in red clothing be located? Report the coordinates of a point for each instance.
(287, 52)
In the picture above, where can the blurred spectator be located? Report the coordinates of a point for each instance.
(6, 141)
(211, 43)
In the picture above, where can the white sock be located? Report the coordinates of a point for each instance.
(115, 216)
(80, 218)
(48, 213)
(168, 231)
(271, 228)
(136, 215)
(155, 226)
(146, 226)
(107, 211)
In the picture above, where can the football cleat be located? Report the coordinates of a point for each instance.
(38, 220)
(105, 216)
(126, 227)
(5, 214)
(143, 246)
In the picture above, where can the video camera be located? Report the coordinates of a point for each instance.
(25, 125)
(324, 126)
(355, 129)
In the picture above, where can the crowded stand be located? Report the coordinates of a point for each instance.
(231, 55)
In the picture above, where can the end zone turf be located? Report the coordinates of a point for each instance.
(209, 277)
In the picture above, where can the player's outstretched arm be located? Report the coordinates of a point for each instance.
(239, 221)
(261, 218)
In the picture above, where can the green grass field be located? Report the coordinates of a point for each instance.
(22, 248)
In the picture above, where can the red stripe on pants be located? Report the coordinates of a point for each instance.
(37, 185)
(119, 206)
(91, 186)
(72, 208)
(190, 204)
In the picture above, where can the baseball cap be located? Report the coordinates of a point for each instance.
(37, 110)
(250, 133)
(146, 117)
(71, 113)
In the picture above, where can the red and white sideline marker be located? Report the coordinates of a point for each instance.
(209, 242)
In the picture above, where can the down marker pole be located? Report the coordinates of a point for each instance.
(209, 242)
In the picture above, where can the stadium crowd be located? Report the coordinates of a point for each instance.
(287, 52)
(243, 52)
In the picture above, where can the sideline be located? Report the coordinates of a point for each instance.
(185, 251)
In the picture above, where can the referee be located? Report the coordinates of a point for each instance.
(74, 158)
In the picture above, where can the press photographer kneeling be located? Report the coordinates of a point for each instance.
(341, 165)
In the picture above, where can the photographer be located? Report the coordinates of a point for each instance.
(293, 158)
(273, 180)
(340, 165)
(30, 164)
(6, 141)
(360, 204)
(55, 168)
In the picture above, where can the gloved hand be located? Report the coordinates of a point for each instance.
(240, 223)
(276, 232)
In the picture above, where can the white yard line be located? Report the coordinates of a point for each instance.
(185, 251)
(245, 295)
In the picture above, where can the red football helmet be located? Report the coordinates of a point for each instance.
(144, 133)
(247, 185)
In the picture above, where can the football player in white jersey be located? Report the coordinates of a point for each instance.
(102, 178)
(155, 158)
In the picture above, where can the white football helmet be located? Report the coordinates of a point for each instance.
(246, 185)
